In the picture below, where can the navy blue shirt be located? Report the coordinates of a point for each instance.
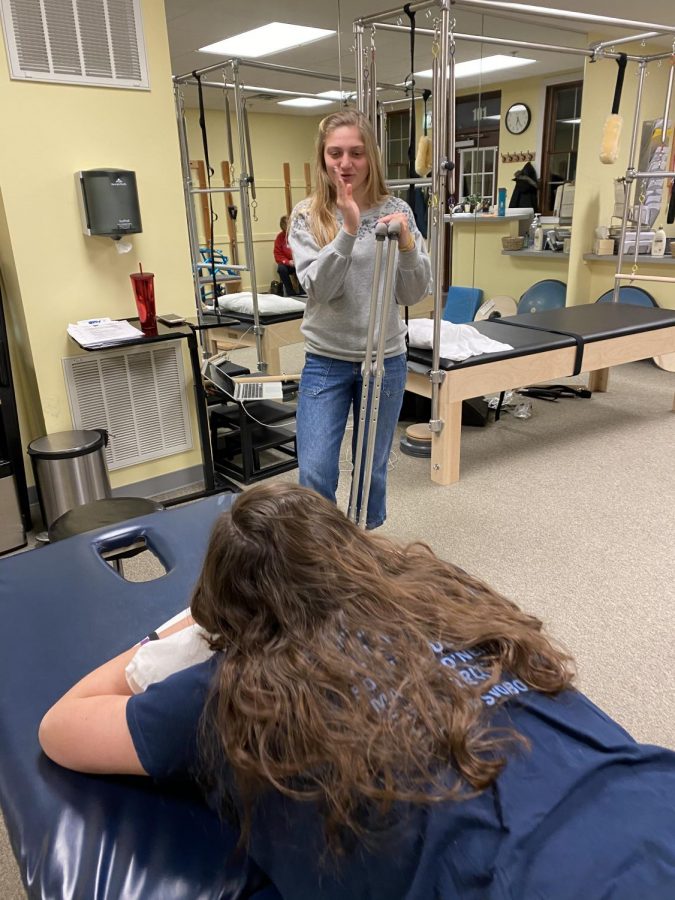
(586, 813)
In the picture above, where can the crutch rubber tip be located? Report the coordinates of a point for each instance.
(394, 229)
(381, 230)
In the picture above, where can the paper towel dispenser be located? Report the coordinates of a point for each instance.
(109, 202)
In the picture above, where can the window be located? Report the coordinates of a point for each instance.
(477, 173)
(561, 139)
(477, 141)
(398, 138)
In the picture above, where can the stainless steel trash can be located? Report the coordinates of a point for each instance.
(70, 470)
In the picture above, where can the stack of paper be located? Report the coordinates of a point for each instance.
(89, 332)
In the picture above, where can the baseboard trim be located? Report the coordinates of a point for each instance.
(163, 484)
(150, 487)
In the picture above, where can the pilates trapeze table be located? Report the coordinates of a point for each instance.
(552, 344)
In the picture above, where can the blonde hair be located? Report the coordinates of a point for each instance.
(322, 204)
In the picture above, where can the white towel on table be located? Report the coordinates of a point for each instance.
(458, 342)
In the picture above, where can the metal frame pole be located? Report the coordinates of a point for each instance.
(669, 95)
(188, 192)
(372, 76)
(396, 11)
(511, 42)
(228, 122)
(360, 80)
(600, 45)
(549, 12)
(188, 77)
(443, 76)
(245, 180)
(630, 174)
(383, 135)
(631, 276)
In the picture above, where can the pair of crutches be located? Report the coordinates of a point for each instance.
(372, 368)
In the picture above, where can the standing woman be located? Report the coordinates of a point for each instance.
(332, 236)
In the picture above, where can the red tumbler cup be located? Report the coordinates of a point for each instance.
(144, 292)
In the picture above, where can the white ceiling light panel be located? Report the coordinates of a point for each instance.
(484, 66)
(271, 38)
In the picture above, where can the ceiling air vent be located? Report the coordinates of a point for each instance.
(98, 42)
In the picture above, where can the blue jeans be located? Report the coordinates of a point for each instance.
(328, 388)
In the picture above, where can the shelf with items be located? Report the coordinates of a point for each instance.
(541, 254)
(628, 259)
(510, 216)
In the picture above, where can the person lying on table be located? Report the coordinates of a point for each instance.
(382, 725)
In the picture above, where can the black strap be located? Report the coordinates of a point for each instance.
(621, 63)
(498, 410)
(213, 216)
(426, 93)
(578, 339)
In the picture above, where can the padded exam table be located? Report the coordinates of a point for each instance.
(81, 837)
(551, 344)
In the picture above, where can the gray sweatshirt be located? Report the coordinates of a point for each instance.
(338, 279)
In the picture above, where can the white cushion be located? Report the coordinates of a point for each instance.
(268, 304)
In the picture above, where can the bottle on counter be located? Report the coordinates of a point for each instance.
(659, 242)
(538, 237)
(531, 231)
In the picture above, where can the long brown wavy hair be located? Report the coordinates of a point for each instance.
(321, 206)
(329, 688)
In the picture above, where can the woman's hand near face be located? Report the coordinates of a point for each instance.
(405, 239)
(351, 215)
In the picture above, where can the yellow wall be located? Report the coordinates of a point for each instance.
(275, 139)
(55, 274)
(478, 260)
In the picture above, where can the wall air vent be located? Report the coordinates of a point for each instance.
(137, 395)
(97, 42)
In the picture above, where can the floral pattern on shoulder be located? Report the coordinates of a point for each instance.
(300, 217)
(390, 205)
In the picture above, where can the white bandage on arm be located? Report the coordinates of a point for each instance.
(155, 660)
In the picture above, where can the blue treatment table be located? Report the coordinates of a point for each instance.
(64, 612)
(552, 344)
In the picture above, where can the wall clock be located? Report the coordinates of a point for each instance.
(518, 117)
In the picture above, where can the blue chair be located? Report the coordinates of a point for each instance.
(628, 294)
(546, 294)
(461, 304)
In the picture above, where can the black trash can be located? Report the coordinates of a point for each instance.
(70, 470)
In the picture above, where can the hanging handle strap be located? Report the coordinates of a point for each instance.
(209, 172)
(413, 131)
(426, 93)
(621, 63)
